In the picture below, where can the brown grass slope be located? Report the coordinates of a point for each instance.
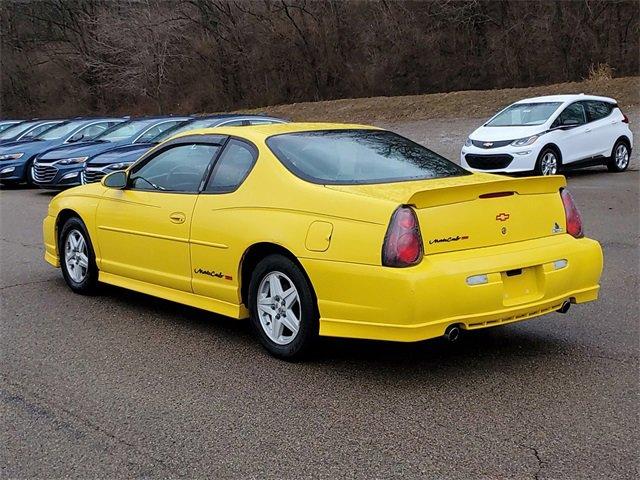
(468, 103)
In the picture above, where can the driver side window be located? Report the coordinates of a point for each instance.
(179, 168)
(574, 114)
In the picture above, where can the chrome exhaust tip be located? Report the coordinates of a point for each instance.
(565, 307)
(453, 333)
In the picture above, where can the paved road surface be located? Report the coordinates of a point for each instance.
(125, 385)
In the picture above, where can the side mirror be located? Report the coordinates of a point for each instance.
(116, 180)
(76, 138)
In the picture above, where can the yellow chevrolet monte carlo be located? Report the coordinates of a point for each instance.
(326, 229)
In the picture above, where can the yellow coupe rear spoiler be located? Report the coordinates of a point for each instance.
(447, 195)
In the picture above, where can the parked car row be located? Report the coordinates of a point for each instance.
(61, 153)
(543, 135)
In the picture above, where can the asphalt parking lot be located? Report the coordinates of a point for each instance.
(125, 385)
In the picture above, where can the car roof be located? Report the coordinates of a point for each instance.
(565, 98)
(265, 131)
(235, 115)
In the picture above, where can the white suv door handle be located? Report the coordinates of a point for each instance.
(587, 130)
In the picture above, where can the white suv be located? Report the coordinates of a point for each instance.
(547, 134)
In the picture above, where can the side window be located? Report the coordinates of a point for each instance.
(157, 130)
(232, 167)
(574, 114)
(179, 168)
(598, 110)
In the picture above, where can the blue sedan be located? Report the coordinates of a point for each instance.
(16, 158)
(28, 129)
(61, 167)
(120, 158)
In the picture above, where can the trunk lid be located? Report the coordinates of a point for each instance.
(478, 210)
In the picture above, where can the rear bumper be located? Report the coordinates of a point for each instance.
(418, 303)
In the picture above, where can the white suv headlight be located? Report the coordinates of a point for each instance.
(69, 161)
(11, 156)
(523, 142)
(468, 142)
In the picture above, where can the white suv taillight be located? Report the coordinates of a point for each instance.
(572, 215)
(402, 244)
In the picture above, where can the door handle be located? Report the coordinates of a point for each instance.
(587, 130)
(177, 217)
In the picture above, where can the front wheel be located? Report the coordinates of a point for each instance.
(77, 259)
(548, 162)
(283, 308)
(619, 160)
(28, 174)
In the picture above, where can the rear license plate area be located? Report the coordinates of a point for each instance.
(521, 285)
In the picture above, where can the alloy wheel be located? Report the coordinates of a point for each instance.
(549, 164)
(622, 156)
(76, 256)
(279, 308)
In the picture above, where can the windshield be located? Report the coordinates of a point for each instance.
(124, 131)
(204, 123)
(522, 114)
(4, 126)
(358, 156)
(61, 130)
(15, 129)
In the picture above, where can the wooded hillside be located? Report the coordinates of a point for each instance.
(64, 57)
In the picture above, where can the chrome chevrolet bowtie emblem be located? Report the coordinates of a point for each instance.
(487, 144)
(502, 217)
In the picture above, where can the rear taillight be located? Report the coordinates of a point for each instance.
(572, 215)
(625, 119)
(402, 244)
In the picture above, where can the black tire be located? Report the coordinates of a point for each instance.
(540, 167)
(88, 284)
(28, 176)
(613, 164)
(306, 307)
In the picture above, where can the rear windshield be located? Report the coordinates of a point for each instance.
(358, 157)
(523, 114)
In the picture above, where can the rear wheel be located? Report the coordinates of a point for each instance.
(282, 306)
(77, 259)
(619, 160)
(548, 162)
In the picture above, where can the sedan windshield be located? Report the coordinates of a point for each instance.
(61, 130)
(523, 114)
(16, 129)
(4, 126)
(204, 123)
(124, 131)
(358, 157)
